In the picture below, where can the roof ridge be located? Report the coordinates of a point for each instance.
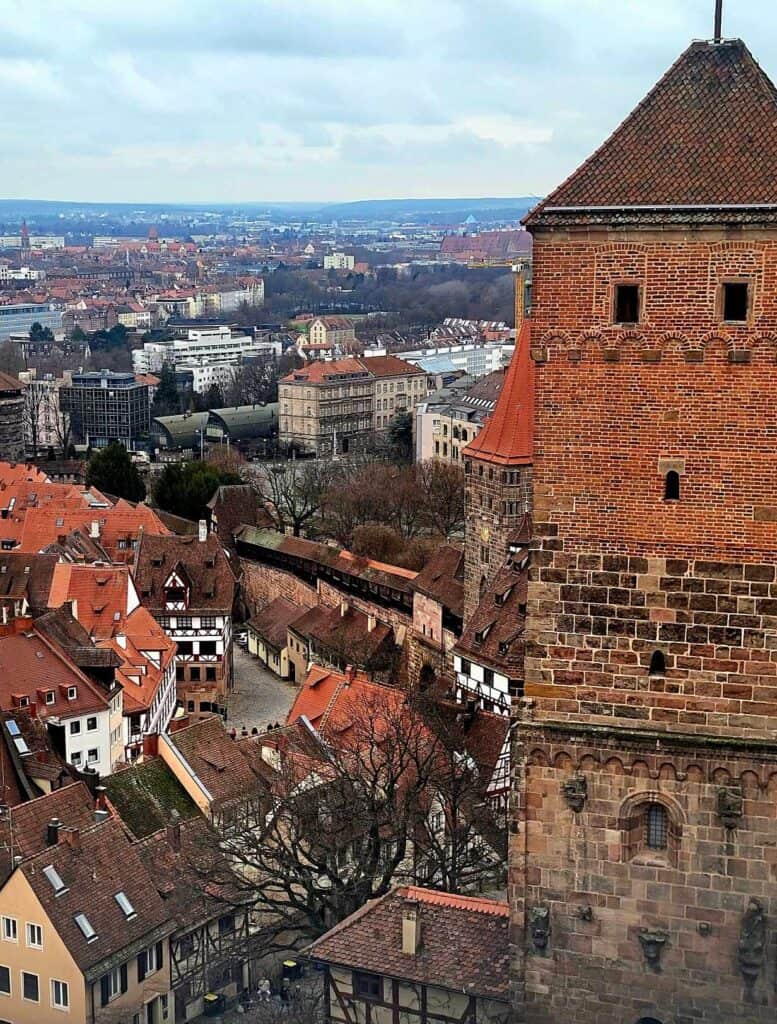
(476, 904)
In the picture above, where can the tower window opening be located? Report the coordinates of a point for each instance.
(672, 486)
(657, 664)
(656, 827)
(627, 304)
(735, 301)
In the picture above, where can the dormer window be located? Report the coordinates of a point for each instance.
(72, 693)
(50, 697)
(627, 302)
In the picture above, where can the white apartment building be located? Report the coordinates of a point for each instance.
(151, 357)
(43, 421)
(476, 360)
(205, 374)
(338, 261)
(217, 344)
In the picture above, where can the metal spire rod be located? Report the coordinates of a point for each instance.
(718, 20)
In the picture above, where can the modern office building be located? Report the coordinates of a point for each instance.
(11, 418)
(105, 406)
(19, 318)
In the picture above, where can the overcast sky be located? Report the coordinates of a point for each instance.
(238, 100)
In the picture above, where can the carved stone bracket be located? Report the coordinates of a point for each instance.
(752, 941)
(653, 941)
(729, 806)
(539, 927)
(575, 792)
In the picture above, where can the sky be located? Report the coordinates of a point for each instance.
(329, 100)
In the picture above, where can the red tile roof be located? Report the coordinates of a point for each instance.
(389, 366)
(216, 760)
(705, 135)
(508, 436)
(272, 622)
(320, 372)
(120, 526)
(464, 942)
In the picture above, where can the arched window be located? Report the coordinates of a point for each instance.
(672, 486)
(656, 827)
(651, 828)
(657, 664)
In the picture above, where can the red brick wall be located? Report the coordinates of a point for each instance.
(612, 403)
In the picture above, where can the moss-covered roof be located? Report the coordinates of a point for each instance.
(145, 796)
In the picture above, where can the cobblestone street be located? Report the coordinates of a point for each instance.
(260, 698)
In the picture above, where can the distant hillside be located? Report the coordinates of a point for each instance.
(444, 211)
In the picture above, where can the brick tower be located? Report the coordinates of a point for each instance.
(644, 853)
(497, 464)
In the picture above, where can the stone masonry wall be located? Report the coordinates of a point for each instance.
(263, 583)
(601, 893)
(494, 508)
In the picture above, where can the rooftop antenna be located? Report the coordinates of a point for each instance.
(718, 21)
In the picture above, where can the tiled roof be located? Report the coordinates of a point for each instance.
(215, 759)
(319, 372)
(31, 666)
(23, 830)
(204, 562)
(145, 795)
(26, 576)
(442, 578)
(464, 943)
(704, 136)
(389, 366)
(271, 623)
(119, 527)
(101, 863)
(345, 634)
(339, 559)
(494, 634)
(507, 438)
(9, 383)
(333, 703)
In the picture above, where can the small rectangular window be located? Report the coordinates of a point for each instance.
(627, 304)
(91, 723)
(30, 987)
(368, 986)
(5, 981)
(34, 936)
(735, 301)
(75, 728)
(10, 933)
(60, 994)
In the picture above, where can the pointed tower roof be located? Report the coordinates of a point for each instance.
(704, 137)
(508, 436)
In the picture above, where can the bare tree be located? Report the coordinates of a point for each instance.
(35, 401)
(357, 817)
(293, 492)
(63, 431)
(441, 485)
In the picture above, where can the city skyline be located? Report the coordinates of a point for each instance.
(264, 102)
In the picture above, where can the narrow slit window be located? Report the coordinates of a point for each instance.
(735, 301)
(657, 664)
(627, 304)
(656, 827)
(672, 486)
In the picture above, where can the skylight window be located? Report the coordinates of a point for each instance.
(55, 881)
(86, 929)
(127, 908)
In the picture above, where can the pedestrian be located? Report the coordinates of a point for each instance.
(244, 731)
(254, 731)
(233, 733)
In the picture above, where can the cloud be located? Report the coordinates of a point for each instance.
(194, 100)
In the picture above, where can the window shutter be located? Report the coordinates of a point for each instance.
(159, 963)
(123, 973)
(142, 965)
(104, 991)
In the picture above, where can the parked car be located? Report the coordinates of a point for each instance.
(241, 638)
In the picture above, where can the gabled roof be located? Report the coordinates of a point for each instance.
(205, 563)
(272, 622)
(464, 942)
(23, 830)
(442, 579)
(215, 759)
(99, 864)
(145, 795)
(705, 136)
(507, 438)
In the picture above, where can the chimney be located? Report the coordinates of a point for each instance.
(71, 836)
(173, 830)
(411, 928)
(92, 780)
(202, 531)
(371, 622)
(100, 816)
(94, 529)
(349, 674)
(150, 744)
(52, 832)
(343, 609)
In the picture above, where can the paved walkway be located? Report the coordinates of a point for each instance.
(259, 698)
